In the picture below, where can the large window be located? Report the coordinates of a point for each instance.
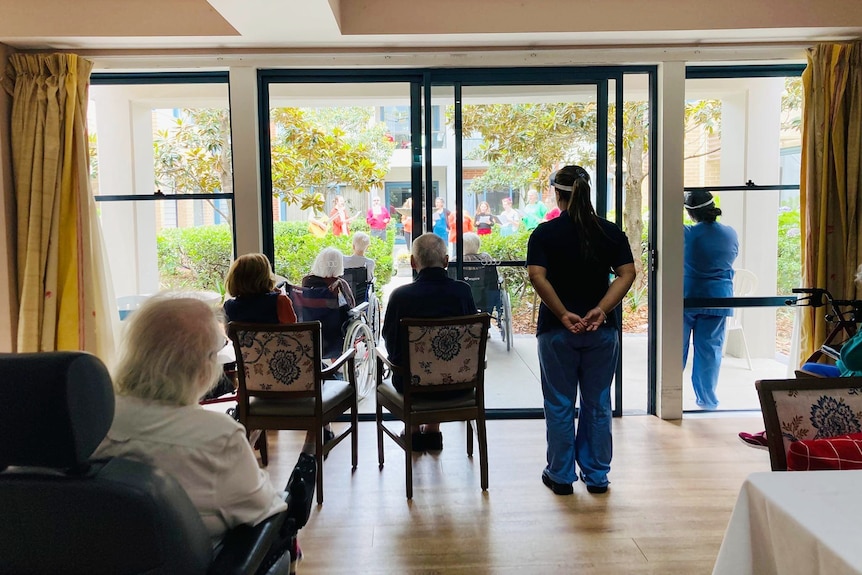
(162, 174)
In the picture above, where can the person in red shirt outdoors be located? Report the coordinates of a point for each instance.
(338, 218)
(378, 218)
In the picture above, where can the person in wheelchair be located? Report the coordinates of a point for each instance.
(324, 290)
(358, 269)
(167, 362)
(849, 364)
(483, 279)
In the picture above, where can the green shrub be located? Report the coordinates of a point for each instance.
(194, 258)
(199, 257)
(789, 251)
(512, 247)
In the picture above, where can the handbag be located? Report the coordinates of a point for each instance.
(300, 490)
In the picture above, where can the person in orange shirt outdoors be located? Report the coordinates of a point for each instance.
(407, 222)
(468, 225)
(338, 218)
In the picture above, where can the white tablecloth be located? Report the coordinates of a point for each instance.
(802, 522)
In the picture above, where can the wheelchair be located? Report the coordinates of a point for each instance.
(489, 292)
(843, 316)
(340, 330)
(364, 291)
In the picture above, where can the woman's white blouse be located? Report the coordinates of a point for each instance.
(205, 451)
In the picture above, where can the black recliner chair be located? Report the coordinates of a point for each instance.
(63, 512)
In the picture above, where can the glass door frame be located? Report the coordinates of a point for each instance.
(421, 82)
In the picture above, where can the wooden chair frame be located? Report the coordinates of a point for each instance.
(410, 416)
(314, 422)
(767, 389)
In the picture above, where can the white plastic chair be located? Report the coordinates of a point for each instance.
(744, 284)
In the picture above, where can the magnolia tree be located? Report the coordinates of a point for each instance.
(311, 150)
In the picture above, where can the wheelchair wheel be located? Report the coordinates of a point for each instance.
(506, 320)
(374, 318)
(360, 338)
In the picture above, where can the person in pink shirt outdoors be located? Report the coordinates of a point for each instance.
(378, 218)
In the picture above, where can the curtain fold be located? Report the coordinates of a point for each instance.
(64, 297)
(830, 180)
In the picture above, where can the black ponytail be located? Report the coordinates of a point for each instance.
(579, 207)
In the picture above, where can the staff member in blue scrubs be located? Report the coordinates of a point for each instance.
(570, 260)
(709, 250)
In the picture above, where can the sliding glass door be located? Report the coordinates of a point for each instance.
(455, 152)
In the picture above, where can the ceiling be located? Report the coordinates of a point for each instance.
(234, 26)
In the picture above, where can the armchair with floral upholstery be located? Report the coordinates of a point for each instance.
(283, 385)
(808, 417)
(444, 380)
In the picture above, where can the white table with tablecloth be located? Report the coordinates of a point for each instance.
(802, 522)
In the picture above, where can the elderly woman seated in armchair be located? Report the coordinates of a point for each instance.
(167, 363)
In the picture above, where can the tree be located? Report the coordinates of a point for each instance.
(524, 143)
(312, 150)
(193, 156)
(319, 149)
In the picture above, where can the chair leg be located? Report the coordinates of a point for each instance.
(469, 438)
(318, 432)
(408, 460)
(379, 423)
(354, 433)
(745, 347)
(261, 444)
(483, 451)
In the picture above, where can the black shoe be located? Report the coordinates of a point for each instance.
(433, 440)
(595, 489)
(417, 441)
(557, 488)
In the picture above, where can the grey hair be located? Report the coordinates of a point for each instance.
(471, 243)
(329, 263)
(169, 349)
(429, 251)
(361, 240)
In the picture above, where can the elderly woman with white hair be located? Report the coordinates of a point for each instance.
(326, 271)
(167, 363)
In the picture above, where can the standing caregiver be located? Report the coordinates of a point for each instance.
(570, 260)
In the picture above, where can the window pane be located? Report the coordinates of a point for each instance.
(165, 139)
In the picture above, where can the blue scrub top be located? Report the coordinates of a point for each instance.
(710, 248)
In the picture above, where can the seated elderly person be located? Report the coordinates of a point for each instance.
(326, 271)
(432, 294)
(361, 241)
(167, 363)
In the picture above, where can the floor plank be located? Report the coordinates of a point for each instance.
(673, 486)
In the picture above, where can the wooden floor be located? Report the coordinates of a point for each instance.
(673, 485)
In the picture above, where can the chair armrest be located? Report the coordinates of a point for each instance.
(381, 356)
(338, 363)
(244, 548)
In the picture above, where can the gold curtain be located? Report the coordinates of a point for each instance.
(62, 289)
(830, 180)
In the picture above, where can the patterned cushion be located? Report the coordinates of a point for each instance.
(843, 452)
(444, 354)
(817, 413)
(277, 361)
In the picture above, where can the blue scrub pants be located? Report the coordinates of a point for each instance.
(707, 332)
(571, 362)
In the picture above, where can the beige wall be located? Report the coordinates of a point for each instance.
(8, 285)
